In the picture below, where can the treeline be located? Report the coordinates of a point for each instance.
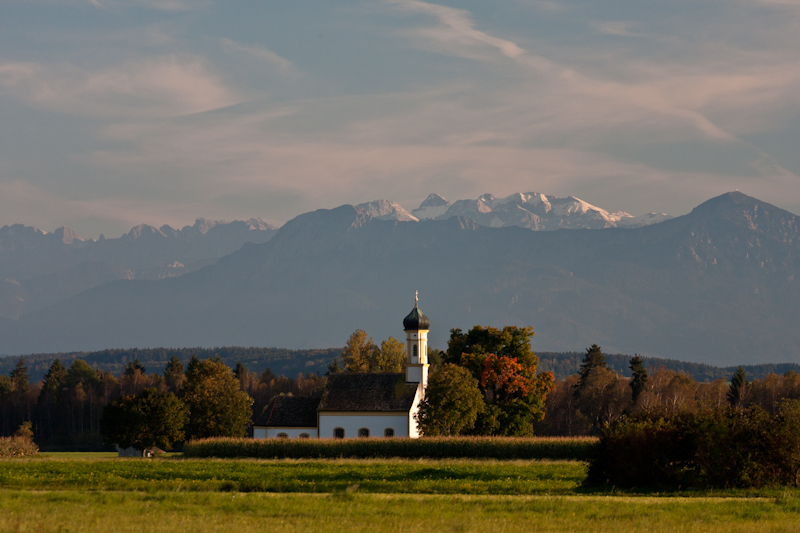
(66, 406)
(280, 360)
(598, 395)
(290, 362)
(564, 364)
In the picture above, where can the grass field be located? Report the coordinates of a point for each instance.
(91, 492)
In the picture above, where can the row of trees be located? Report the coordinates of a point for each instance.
(596, 396)
(66, 407)
(485, 383)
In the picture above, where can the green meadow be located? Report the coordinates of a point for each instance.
(92, 492)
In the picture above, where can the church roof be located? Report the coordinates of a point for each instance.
(416, 320)
(368, 392)
(290, 411)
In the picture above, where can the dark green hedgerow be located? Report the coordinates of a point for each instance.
(576, 448)
(721, 449)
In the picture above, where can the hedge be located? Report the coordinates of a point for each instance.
(568, 448)
(720, 449)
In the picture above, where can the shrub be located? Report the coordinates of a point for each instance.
(17, 447)
(713, 449)
(431, 448)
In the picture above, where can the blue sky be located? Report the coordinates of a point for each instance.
(117, 112)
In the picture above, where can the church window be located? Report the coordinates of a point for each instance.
(282, 436)
(363, 432)
(415, 351)
(388, 432)
(304, 436)
(338, 433)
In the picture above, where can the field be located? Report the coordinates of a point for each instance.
(90, 492)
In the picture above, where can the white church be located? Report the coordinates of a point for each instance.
(358, 404)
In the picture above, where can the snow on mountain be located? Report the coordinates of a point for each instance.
(433, 206)
(535, 211)
(644, 220)
(386, 210)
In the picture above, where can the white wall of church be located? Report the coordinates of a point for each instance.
(292, 433)
(376, 424)
(414, 434)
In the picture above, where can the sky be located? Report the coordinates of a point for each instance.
(120, 112)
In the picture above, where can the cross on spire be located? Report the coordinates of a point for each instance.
(416, 297)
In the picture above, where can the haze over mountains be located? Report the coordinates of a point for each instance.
(718, 285)
(38, 269)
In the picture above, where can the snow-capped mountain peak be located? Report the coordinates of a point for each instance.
(385, 210)
(536, 211)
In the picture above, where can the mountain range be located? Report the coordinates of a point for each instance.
(718, 285)
(39, 269)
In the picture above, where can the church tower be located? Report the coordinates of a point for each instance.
(416, 326)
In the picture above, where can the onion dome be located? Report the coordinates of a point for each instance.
(416, 320)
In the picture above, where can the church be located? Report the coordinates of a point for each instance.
(358, 404)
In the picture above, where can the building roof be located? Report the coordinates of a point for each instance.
(290, 411)
(368, 392)
(416, 320)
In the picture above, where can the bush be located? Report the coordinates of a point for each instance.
(714, 449)
(431, 448)
(17, 447)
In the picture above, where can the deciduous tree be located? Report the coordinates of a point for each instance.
(218, 408)
(452, 402)
(149, 419)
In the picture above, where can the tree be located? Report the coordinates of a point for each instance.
(217, 407)
(505, 366)
(390, 357)
(362, 355)
(357, 352)
(149, 419)
(20, 378)
(739, 391)
(593, 359)
(134, 367)
(452, 402)
(24, 431)
(173, 374)
(639, 377)
(511, 341)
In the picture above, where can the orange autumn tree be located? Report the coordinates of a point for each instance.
(505, 366)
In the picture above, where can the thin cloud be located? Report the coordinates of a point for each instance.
(258, 52)
(161, 86)
(457, 28)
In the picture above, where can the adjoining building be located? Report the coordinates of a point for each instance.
(358, 404)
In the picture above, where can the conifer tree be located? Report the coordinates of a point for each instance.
(20, 378)
(639, 377)
(173, 374)
(739, 390)
(593, 359)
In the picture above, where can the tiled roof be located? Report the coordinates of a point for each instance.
(368, 392)
(290, 411)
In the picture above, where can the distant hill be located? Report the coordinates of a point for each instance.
(718, 286)
(567, 364)
(291, 362)
(278, 360)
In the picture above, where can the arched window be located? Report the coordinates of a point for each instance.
(363, 432)
(415, 352)
(388, 432)
(304, 436)
(282, 436)
(338, 433)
